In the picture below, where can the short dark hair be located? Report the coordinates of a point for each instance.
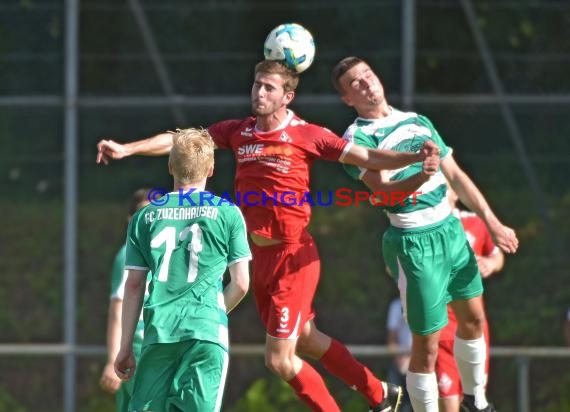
(290, 76)
(138, 200)
(341, 68)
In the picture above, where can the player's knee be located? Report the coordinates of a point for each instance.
(278, 364)
(431, 355)
(479, 323)
(429, 347)
(472, 327)
(424, 354)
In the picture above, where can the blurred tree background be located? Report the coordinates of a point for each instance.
(209, 48)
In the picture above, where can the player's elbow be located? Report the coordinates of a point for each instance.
(242, 284)
(239, 274)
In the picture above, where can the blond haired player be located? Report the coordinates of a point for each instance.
(187, 244)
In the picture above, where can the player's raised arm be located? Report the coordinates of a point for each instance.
(503, 236)
(157, 145)
(376, 159)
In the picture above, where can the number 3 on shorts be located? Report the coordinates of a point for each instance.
(284, 315)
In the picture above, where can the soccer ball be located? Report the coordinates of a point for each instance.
(292, 44)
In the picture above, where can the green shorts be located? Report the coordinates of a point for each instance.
(123, 396)
(183, 376)
(432, 266)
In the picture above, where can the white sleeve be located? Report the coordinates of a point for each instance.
(121, 289)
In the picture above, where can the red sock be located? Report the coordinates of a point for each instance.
(311, 389)
(340, 362)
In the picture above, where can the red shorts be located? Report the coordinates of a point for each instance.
(285, 278)
(448, 379)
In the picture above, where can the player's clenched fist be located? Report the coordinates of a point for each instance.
(430, 165)
(109, 380)
(430, 148)
(125, 364)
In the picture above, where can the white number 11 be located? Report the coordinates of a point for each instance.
(168, 237)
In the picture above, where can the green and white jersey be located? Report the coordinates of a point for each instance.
(187, 246)
(404, 132)
(118, 278)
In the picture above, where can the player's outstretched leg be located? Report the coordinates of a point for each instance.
(307, 383)
(336, 359)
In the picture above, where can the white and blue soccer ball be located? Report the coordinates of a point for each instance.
(292, 44)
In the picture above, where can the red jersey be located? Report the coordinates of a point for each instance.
(477, 234)
(482, 244)
(273, 171)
